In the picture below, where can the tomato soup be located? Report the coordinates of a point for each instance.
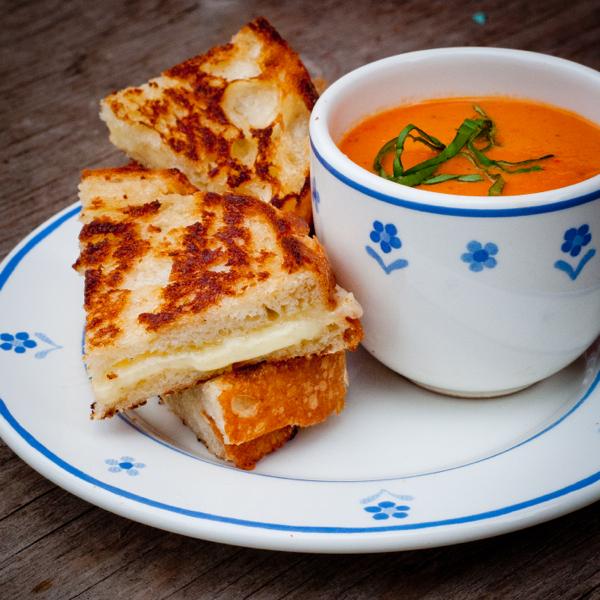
(521, 130)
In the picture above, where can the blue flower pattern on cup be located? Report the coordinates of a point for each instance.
(386, 509)
(21, 342)
(480, 256)
(386, 237)
(574, 240)
(316, 197)
(126, 464)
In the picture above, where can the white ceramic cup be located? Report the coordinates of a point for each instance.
(485, 295)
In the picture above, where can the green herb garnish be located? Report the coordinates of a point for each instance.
(473, 139)
(447, 177)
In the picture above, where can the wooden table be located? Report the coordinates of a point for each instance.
(59, 58)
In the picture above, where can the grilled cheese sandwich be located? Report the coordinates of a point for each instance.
(180, 285)
(212, 299)
(232, 119)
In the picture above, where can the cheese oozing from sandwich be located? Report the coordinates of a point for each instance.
(246, 347)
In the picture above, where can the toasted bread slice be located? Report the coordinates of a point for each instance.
(233, 119)
(247, 403)
(181, 285)
(246, 455)
(235, 413)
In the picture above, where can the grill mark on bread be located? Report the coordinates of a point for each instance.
(261, 26)
(143, 210)
(238, 174)
(263, 161)
(106, 239)
(103, 308)
(308, 90)
(187, 109)
(193, 286)
(109, 251)
(292, 198)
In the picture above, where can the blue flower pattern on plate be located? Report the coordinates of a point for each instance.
(21, 341)
(386, 509)
(480, 256)
(386, 236)
(126, 464)
(315, 194)
(574, 240)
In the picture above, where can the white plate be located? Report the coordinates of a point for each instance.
(400, 468)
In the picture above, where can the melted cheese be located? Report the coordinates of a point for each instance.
(213, 357)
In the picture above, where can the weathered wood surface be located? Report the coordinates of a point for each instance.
(58, 59)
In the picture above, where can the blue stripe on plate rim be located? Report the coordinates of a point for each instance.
(34, 240)
(196, 514)
(457, 212)
(44, 231)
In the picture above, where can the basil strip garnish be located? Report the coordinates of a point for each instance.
(416, 178)
(491, 132)
(463, 144)
(466, 131)
(434, 145)
(446, 177)
(497, 186)
(397, 144)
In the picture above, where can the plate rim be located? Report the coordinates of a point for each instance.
(65, 475)
(296, 538)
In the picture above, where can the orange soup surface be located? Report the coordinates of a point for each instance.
(524, 130)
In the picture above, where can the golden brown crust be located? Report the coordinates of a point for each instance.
(246, 455)
(175, 181)
(194, 286)
(282, 56)
(263, 398)
(190, 108)
(354, 334)
(113, 411)
(118, 234)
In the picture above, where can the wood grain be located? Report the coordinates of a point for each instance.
(58, 59)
